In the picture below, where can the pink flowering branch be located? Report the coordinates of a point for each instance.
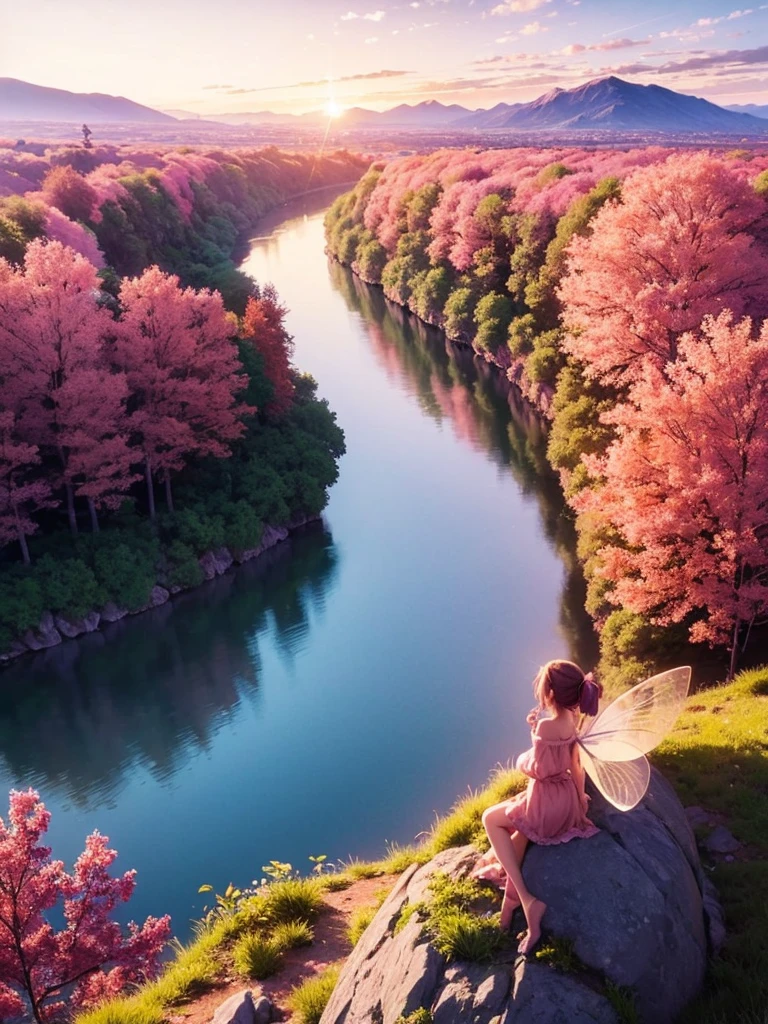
(88, 960)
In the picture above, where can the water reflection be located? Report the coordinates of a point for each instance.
(484, 412)
(150, 691)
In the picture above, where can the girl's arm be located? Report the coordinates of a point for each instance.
(577, 771)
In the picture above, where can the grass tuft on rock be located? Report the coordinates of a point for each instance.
(417, 1017)
(453, 923)
(363, 916)
(622, 999)
(559, 953)
(308, 1000)
(359, 921)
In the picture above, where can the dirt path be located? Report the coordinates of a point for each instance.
(330, 945)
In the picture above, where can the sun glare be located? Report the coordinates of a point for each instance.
(332, 108)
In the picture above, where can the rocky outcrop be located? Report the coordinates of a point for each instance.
(216, 563)
(271, 535)
(112, 612)
(46, 635)
(76, 627)
(630, 900)
(241, 1008)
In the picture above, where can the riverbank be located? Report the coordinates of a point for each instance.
(55, 628)
(510, 250)
(717, 760)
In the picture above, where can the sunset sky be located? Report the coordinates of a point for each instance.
(300, 55)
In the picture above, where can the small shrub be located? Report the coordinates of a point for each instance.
(293, 899)
(622, 999)
(335, 883)
(460, 935)
(558, 953)
(183, 567)
(308, 1000)
(291, 934)
(357, 869)
(399, 858)
(406, 914)
(359, 921)
(256, 956)
(454, 929)
(421, 1016)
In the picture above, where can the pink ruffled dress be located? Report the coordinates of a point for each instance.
(548, 811)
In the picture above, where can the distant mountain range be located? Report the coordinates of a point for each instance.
(616, 105)
(749, 108)
(607, 104)
(22, 101)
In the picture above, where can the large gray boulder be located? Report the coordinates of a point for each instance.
(216, 563)
(46, 635)
(629, 900)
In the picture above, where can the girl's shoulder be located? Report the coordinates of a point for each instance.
(554, 730)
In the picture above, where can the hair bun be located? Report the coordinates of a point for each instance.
(589, 698)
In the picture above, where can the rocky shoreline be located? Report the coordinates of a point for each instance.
(54, 629)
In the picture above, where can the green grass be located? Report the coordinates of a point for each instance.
(622, 999)
(559, 953)
(292, 934)
(358, 922)
(194, 969)
(308, 1000)
(257, 956)
(334, 882)
(717, 758)
(453, 923)
(363, 916)
(356, 869)
(417, 1017)
(293, 899)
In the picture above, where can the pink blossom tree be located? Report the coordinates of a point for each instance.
(52, 333)
(686, 485)
(679, 247)
(90, 957)
(93, 438)
(21, 494)
(175, 346)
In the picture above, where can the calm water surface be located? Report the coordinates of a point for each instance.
(337, 693)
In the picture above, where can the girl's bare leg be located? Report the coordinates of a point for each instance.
(511, 900)
(497, 826)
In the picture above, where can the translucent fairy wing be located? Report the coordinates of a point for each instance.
(639, 719)
(623, 783)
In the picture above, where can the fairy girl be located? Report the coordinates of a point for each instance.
(553, 807)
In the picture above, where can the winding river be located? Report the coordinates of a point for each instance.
(334, 695)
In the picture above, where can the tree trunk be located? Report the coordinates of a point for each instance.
(24, 547)
(168, 492)
(734, 649)
(150, 489)
(71, 509)
(94, 516)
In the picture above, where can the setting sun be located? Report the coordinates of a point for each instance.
(332, 109)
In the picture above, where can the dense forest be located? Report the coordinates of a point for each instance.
(625, 293)
(136, 358)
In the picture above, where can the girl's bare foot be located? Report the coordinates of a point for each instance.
(534, 912)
